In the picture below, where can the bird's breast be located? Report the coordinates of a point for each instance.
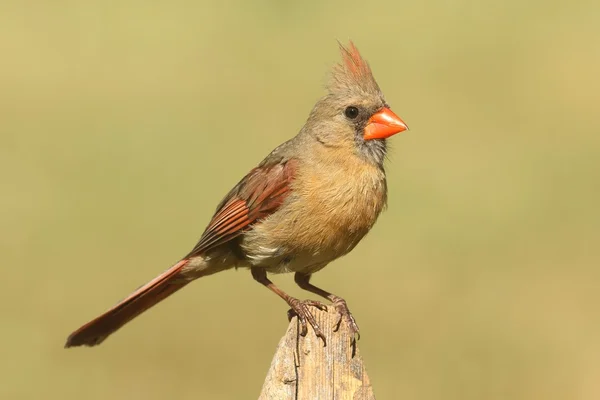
(330, 209)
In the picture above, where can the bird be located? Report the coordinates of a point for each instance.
(309, 202)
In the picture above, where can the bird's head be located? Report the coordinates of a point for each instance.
(354, 111)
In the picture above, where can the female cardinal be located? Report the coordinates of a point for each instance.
(307, 203)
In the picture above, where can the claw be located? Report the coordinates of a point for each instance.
(300, 308)
(304, 330)
(320, 335)
(344, 314)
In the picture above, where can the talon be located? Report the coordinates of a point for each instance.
(344, 312)
(320, 335)
(290, 314)
(302, 319)
(338, 323)
(300, 308)
(304, 330)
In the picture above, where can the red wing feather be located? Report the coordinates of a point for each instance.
(259, 194)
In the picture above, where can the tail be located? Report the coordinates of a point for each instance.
(159, 288)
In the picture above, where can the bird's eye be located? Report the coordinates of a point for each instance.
(351, 112)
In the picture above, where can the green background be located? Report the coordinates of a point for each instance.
(123, 124)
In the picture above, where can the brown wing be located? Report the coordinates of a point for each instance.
(259, 194)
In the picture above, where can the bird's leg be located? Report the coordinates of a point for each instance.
(300, 308)
(303, 280)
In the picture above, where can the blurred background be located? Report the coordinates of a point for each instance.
(123, 124)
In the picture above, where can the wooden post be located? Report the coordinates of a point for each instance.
(302, 369)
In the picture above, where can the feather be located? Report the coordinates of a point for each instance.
(258, 195)
(352, 73)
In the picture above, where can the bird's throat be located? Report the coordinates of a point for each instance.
(373, 151)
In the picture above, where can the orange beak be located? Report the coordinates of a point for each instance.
(384, 124)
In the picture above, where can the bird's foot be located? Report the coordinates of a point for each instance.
(345, 315)
(301, 309)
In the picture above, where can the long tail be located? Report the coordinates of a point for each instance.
(159, 288)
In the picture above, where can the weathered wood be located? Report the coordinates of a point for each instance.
(302, 369)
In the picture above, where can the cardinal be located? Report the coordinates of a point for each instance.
(309, 202)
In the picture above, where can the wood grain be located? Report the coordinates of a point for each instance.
(303, 369)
